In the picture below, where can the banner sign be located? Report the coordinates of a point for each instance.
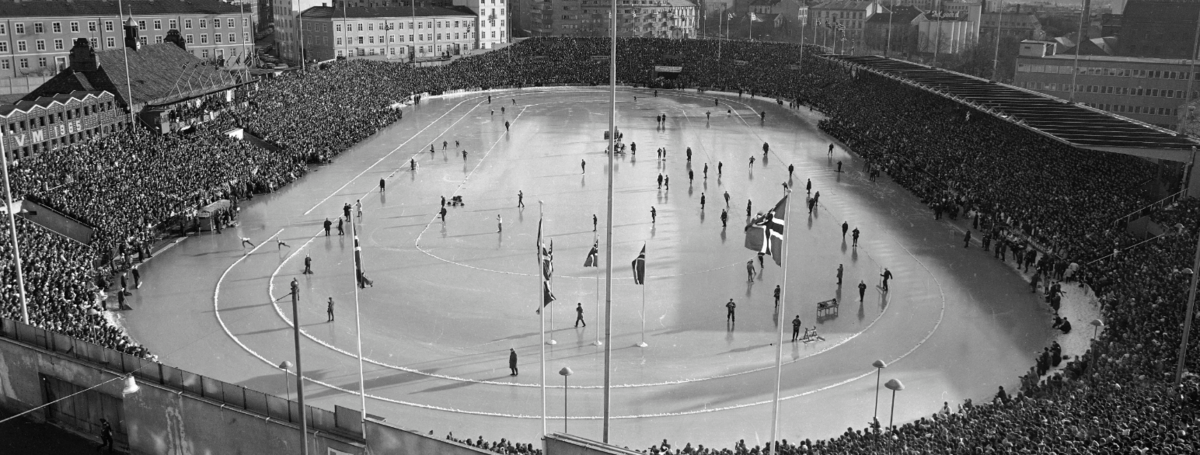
(741, 62)
(668, 69)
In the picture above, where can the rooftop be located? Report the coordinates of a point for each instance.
(1056, 118)
(843, 5)
(62, 8)
(47, 101)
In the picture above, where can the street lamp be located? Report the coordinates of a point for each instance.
(565, 372)
(285, 367)
(1096, 326)
(895, 386)
(879, 366)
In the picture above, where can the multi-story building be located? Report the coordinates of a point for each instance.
(493, 21)
(389, 32)
(1158, 28)
(971, 11)
(286, 18)
(640, 18)
(1019, 25)
(943, 33)
(896, 30)
(792, 11)
(1150, 90)
(843, 21)
(36, 37)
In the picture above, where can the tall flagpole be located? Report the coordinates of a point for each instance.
(542, 314)
(596, 241)
(125, 52)
(787, 222)
(358, 277)
(612, 150)
(12, 230)
(1078, 44)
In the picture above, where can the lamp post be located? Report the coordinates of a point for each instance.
(284, 367)
(895, 386)
(879, 366)
(1096, 326)
(565, 372)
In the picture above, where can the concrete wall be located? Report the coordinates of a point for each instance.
(565, 444)
(386, 439)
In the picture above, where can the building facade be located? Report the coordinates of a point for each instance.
(36, 37)
(48, 123)
(635, 18)
(895, 29)
(947, 34)
(842, 23)
(1021, 26)
(389, 32)
(286, 17)
(493, 24)
(1150, 90)
(1158, 28)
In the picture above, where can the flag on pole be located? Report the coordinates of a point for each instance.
(765, 233)
(546, 259)
(593, 257)
(639, 267)
(730, 16)
(358, 272)
(754, 18)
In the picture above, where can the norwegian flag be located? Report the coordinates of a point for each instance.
(593, 257)
(765, 233)
(639, 267)
(546, 261)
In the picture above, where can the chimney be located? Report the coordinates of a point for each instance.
(174, 37)
(83, 58)
(131, 34)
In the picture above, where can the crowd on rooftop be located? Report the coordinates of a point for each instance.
(1036, 194)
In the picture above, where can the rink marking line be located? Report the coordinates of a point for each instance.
(280, 313)
(483, 413)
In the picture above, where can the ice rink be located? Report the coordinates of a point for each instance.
(449, 300)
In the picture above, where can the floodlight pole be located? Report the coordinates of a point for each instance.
(12, 230)
(299, 369)
(1187, 322)
(1078, 44)
(612, 151)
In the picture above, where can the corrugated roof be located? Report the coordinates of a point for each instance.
(1074, 124)
(47, 101)
(162, 73)
(322, 12)
(60, 8)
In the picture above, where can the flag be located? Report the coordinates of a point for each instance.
(546, 262)
(593, 257)
(754, 18)
(730, 16)
(639, 267)
(765, 233)
(358, 272)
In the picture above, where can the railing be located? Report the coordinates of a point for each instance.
(1149, 208)
(1143, 242)
(148, 371)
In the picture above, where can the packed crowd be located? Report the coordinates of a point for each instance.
(1020, 189)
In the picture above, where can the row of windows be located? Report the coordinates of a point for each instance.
(418, 37)
(56, 27)
(61, 61)
(403, 50)
(397, 26)
(111, 42)
(57, 117)
(1125, 109)
(1108, 90)
(1103, 71)
(55, 143)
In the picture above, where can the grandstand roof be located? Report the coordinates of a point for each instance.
(161, 74)
(1074, 124)
(46, 101)
(63, 8)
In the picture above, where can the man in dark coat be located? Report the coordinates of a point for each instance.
(512, 361)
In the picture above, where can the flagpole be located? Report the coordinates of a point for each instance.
(596, 241)
(358, 277)
(125, 52)
(779, 327)
(12, 229)
(612, 149)
(643, 344)
(542, 314)
(551, 342)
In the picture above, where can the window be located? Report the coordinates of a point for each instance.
(360, 27)
(142, 39)
(108, 26)
(58, 44)
(203, 38)
(74, 27)
(339, 27)
(95, 43)
(141, 25)
(204, 53)
(3, 46)
(220, 53)
(157, 24)
(19, 29)
(339, 53)
(360, 40)
(40, 45)
(111, 42)
(24, 63)
(401, 38)
(186, 39)
(391, 38)
(158, 39)
(172, 25)
(3, 31)
(217, 38)
(371, 39)
(370, 27)
(187, 23)
(439, 36)
(91, 26)
(245, 22)
(41, 62)
(339, 43)
(39, 28)
(203, 23)
(4, 64)
(229, 22)
(420, 25)
(232, 38)
(246, 37)
(410, 38)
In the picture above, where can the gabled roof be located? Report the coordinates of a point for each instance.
(900, 14)
(843, 5)
(61, 8)
(324, 12)
(1058, 119)
(24, 106)
(162, 73)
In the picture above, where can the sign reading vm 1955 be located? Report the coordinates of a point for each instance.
(50, 122)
